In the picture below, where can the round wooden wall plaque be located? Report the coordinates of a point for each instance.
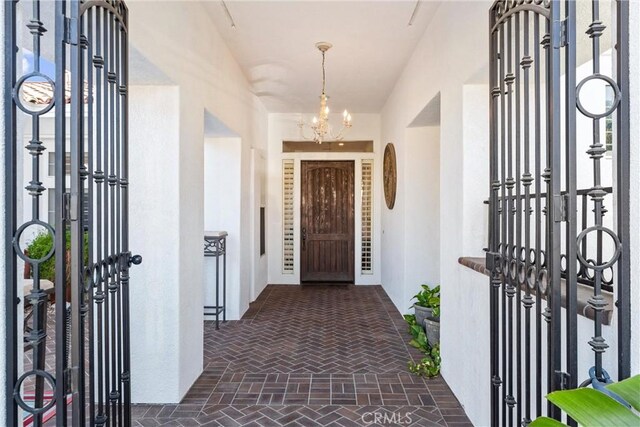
(390, 175)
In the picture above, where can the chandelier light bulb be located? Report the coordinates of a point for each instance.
(315, 120)
(344, 114)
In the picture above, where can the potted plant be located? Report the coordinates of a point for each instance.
(429, 365)
(427, 304)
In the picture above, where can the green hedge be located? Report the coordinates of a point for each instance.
(42, 244)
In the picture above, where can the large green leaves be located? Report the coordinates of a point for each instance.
(590, 408)
(546, 422)
(429, 298)
(629, 390)
(419, 340)
(429, 365)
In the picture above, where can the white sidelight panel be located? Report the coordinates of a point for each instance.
(287, 216)
(366, 229)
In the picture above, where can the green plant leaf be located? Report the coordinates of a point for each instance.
(629, 390)
(415, 343)
(416, 330)
(546, 422)
(590, 407)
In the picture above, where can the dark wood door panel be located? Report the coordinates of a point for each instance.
(327, 221)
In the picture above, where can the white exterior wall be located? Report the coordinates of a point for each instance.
(420, 183)
(166, 314)
(179, 39)
(260, 272)
(222, 197)
(475, 162)
(452, 59)
(453, 50)
(154, 233)
(283, 127)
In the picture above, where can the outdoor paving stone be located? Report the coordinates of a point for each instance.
(296, 360)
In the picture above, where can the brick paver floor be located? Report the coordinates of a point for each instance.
(314, 355)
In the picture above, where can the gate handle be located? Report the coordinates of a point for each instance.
(304, 239)
(136, 259)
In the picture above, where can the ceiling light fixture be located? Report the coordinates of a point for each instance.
(320, 125)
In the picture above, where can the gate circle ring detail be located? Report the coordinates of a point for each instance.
(531, 277)
(513, 269)
(87, 279)
(614, 104)
(514, 252)
(96, 274)
(523, 255)
(20, 401)
(543, 274)
(505, 267)
(16, 93)
(614, 258)
(522, 274)
(587, 271)
(20, 252)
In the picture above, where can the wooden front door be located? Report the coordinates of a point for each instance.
(327, 221)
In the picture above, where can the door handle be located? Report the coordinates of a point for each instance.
(304, 239)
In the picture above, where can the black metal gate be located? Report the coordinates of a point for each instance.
(559, 120)
(77, 372)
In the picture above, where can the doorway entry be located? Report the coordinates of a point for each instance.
(327, 221)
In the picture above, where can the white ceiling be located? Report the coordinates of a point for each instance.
(274, 44)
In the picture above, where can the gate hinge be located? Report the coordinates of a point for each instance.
(71, 31)
(560, 203)
(562, 380)
(561, 31)
(70, 207)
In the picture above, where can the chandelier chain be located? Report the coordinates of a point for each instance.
(320, 126)
(324, 77)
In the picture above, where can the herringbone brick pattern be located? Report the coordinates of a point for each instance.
(311, 356)
(328, 330)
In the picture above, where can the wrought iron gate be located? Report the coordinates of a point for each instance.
(547, 238)
(80, 374)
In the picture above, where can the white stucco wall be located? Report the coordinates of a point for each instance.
(156, 290)
(451, 52)
(451, 59)
(222, 197)
(475, 134)
(419, 181)
(259, 273)
(180, 40)
(283, 127)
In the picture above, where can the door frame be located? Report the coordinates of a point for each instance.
(352, 272)
(275, 243)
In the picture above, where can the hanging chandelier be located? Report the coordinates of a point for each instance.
(320, 126)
